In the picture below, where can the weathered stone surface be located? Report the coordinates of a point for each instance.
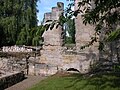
(64, 58)
(15, 49)
(10, 79)
(55, 57)
(51, 55)
(53, 37)
(83, 36)
(83, 32)
(55, 13)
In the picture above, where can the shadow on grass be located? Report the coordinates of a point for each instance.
(101, 81)
(110, 80)
(76, 79)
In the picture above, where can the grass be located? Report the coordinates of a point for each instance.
(79, 82)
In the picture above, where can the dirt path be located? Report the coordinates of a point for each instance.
(27, 83)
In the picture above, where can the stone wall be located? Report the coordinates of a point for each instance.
(83, 32)
(63, 58)
(12, 64)
(51, 53)
(11, 79)
(55, 57)
(15, 49)
(82, 37)
(53, 37)
(55, 13)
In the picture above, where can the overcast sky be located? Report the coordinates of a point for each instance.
(46, 5)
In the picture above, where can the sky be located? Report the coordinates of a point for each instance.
(45, 6)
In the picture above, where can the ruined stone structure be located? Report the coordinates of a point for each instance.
(15, 49)
(53, 41)
(83, 36)
(83, 32)
(55, 13)
(58, 57)
(10, 79)
(54, 56)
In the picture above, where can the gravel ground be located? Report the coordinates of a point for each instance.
(27, 83)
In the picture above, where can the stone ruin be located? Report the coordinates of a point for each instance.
(53, 41)
(11, 71)
(55, 13)
(16, 49)
(56, 56)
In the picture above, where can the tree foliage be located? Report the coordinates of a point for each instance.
(17, 18)
(37, 35)
(103, 14)
(70, 31)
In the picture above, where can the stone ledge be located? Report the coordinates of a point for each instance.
(11, 79)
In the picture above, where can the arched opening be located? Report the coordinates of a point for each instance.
(73, 69)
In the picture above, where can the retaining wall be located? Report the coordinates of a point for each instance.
(11, 79)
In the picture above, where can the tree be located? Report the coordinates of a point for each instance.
(17, 18)
(105, 16)
(37, 35)
(102, 14)
(29, 21)
(70, 30)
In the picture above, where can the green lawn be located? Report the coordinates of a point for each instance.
(79, 82)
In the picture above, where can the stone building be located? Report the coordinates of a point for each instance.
(58, 57)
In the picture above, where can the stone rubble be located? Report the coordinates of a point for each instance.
(15, 49)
